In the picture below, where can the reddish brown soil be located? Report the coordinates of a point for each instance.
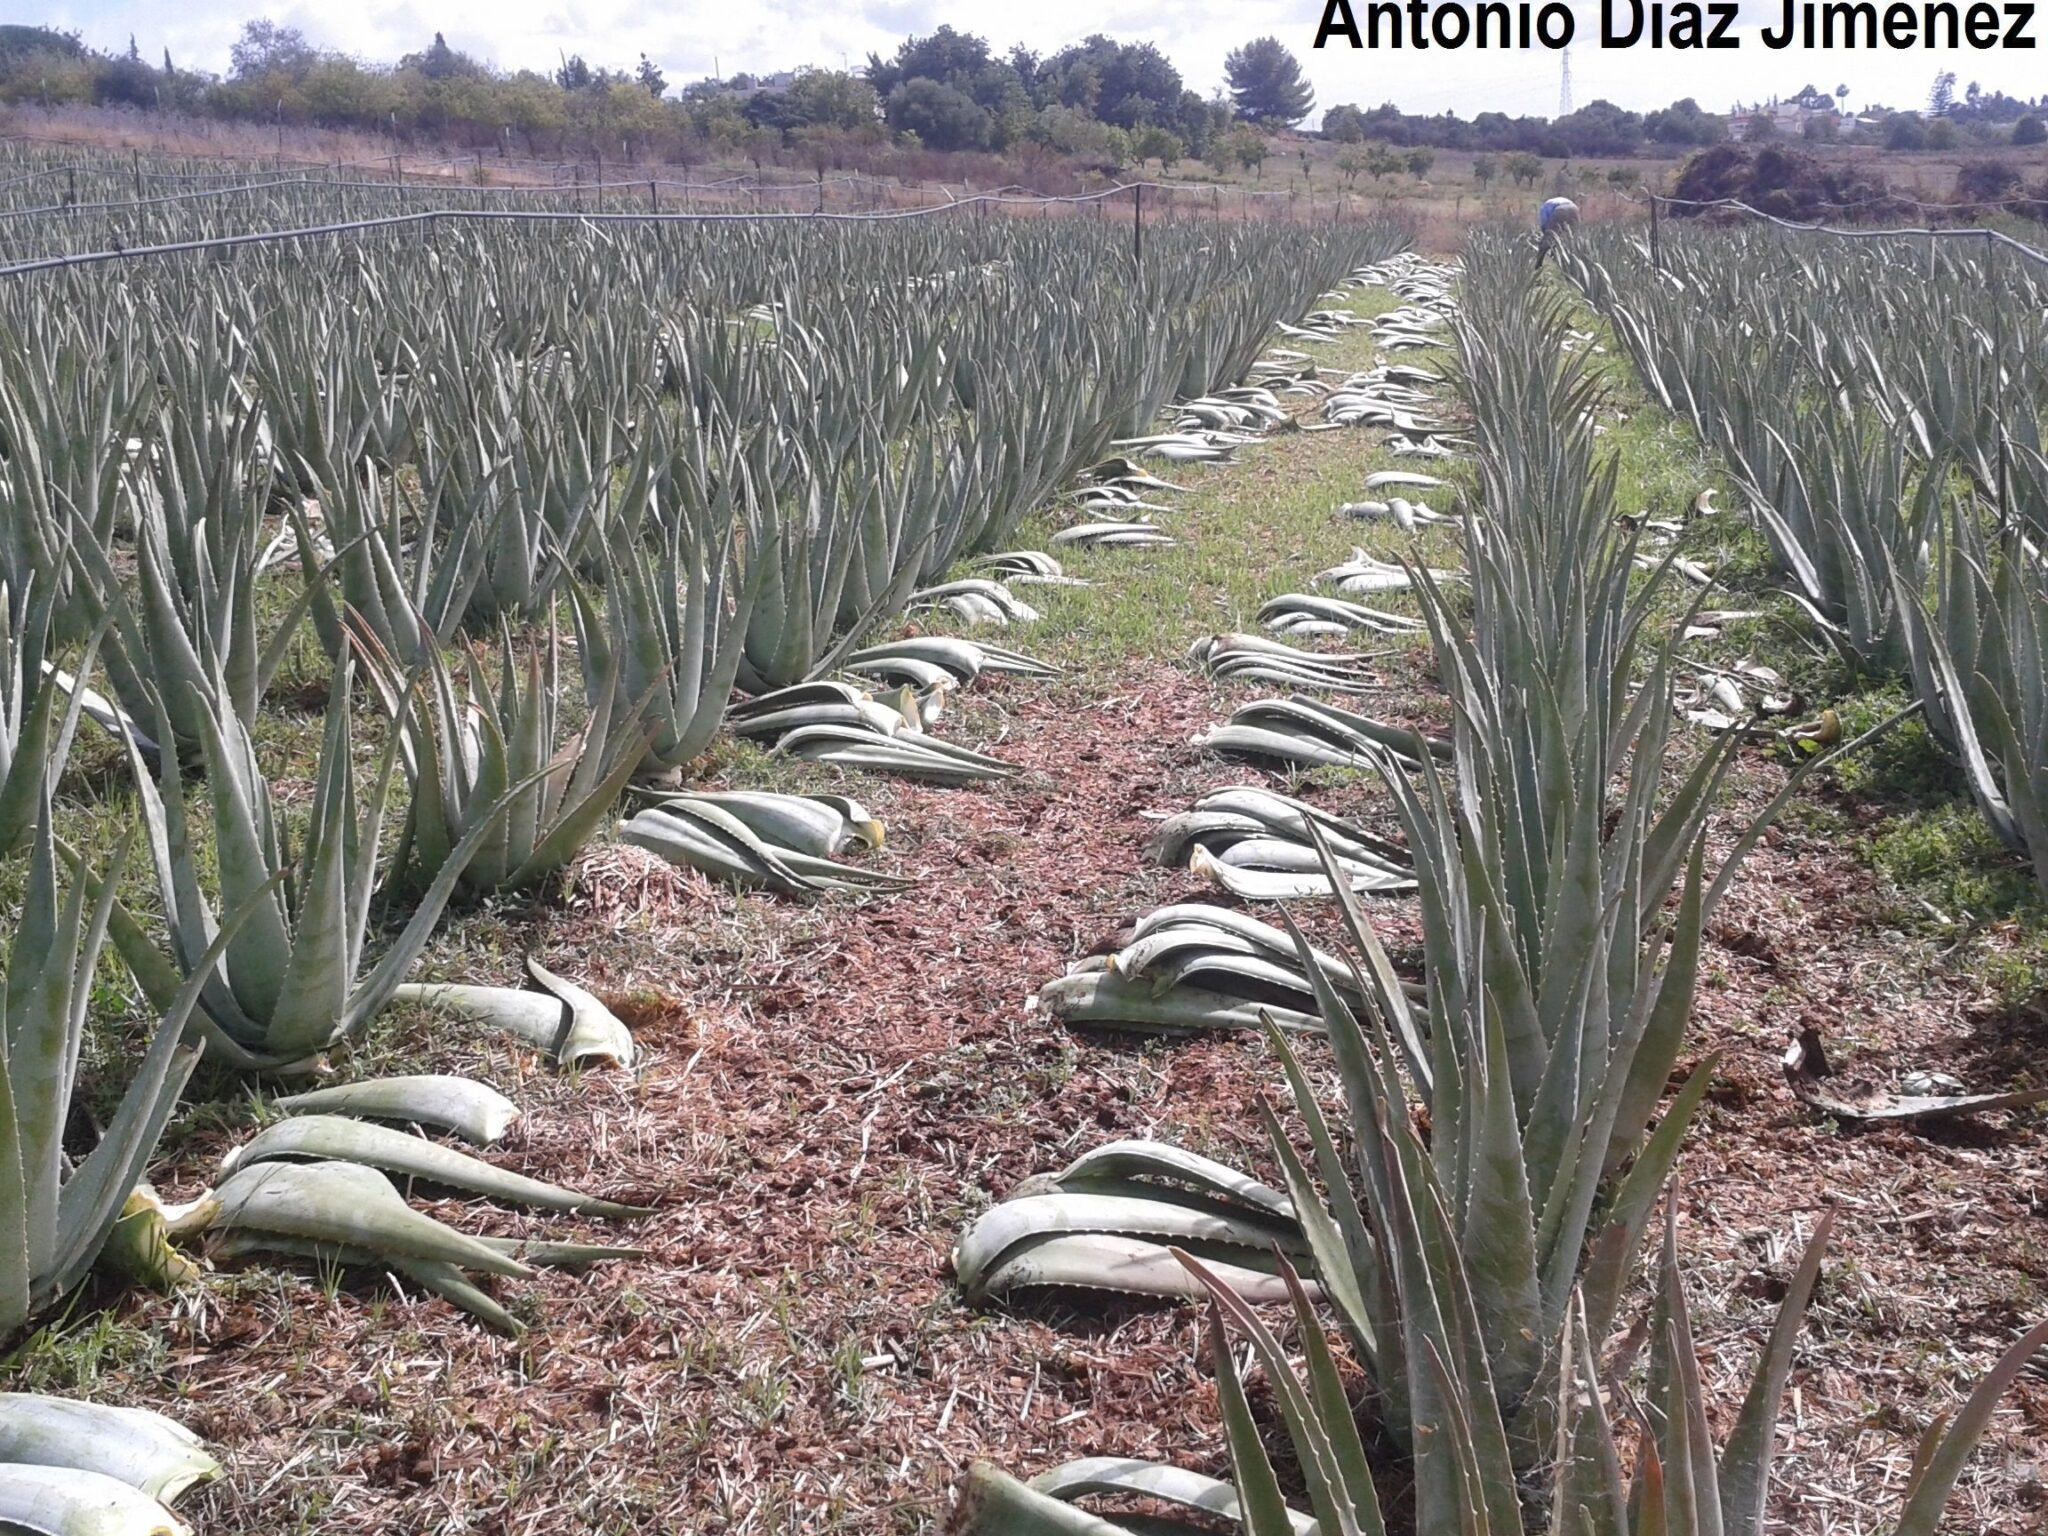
(830, 1091)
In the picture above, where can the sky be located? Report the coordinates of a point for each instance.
(693, 39)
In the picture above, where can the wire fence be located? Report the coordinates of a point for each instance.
(979, 202)
(1990, 238)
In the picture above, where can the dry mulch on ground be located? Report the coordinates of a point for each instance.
(830, 1091)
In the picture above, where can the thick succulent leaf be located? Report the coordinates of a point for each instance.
(1010, 1225)
(1947, 1446)
(991, 1503)
(1746, 1459)
(144, 1450)
(475, 1111)
(333, 1138)
(351, 1206)
(63, 1501)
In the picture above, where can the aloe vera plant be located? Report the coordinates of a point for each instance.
(190, 631)
(1683, 1485)
(499, 762)
(35, 738)
(56, 1212)
(293, 981)
(660, 654)
(1978, 648)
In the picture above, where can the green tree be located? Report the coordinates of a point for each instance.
(1762, 129)
(1419, 162)
(1620, 177)
(1266, 83)
(1129, 85)
(1904, 131)
(1941, 97)
(649, 75)
(440, 61)
(963, 64)
(942, 116)
(833, 99)
(265, 48)
(1942, 134)
(1523, 168)
(1155, 143)
(1344, 124)
(1483, 169)
(2029, 130)
(1351, 160)
(1249, 149)
(1382, 161)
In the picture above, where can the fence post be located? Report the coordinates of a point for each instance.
(1138, 224)
(653, 197)
(1656, 247)
(578, 172)
(821, 189)
(2004, 485)
(138, 171)
(600, 181)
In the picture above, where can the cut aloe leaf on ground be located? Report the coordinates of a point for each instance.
(333, 1138)
(1114, 1002)
(1053, 1239)
(475, 1111)
(352, 1206)
(560, 1018)
(146, 1451)
(63, 1501)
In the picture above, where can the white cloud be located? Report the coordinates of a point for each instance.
(689, 41)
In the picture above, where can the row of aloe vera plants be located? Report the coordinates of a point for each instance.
(1478, 1270)
(58, 202)
(725, 453)
(1880, 405)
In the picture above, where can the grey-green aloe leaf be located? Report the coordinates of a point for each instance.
(823, 826)
(1106, 1000)
(1115, 1241)
(145, 1450)
(1128, 1477)
(352, 1206)
(35, 739)
(742, 844)
(1106, 1217)
(913, 756)
(335, 1138)
(475, 1111)
(435, 1275)
(560, 1018)
(992, 1503)
(63, 1501)
(57, 1209)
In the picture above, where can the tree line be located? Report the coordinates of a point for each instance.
(1098, 100)
(1096, 104)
